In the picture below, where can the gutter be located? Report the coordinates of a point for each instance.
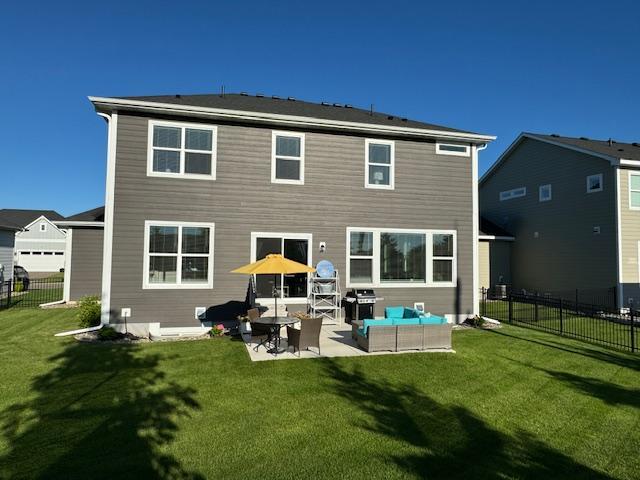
(78, 223)
(271, 118)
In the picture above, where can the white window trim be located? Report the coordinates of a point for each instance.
(280, 133)
(43, 227)
(146, 285)
(440, 151)
(429, 257)
(632, 174)
(182, 149)
(511, 194)
(294, 236)
(599, 175)
(391, 165)
(540, 198)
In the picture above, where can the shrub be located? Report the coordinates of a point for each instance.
(107, 333)
(89, 311)
(217, 331)
(18, 286)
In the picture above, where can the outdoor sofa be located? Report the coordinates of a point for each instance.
(402, 329)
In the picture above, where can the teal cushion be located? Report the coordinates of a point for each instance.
(373, 323)
(406, 321)
(411, 313)
(432, 320)
(360, 331)
(394, 312)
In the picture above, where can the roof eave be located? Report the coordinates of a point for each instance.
(78, 223)
(279, 119)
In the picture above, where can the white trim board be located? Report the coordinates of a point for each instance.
(391, 165)
(619, 239)
(272, 118)
(66, 295)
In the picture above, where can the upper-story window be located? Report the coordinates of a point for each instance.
(594, 183)
(461, 150)
(182, 150)
(544, 193)
(379, 162)
(514, 193)
(634, 190)
(43, 227)
(287, 158)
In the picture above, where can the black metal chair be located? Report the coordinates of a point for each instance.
(259, 330)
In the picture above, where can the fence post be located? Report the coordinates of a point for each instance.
(10, 289)
(483, 306)
(576, 300)
(561, 327)
(510, 308)
(535, 303)
(631, 328)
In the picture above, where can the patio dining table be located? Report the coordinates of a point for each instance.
(276, 324)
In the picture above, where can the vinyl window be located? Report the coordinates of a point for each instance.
(457, 149)
(594, 183)
(634, 190)
(379, 164)
(182, 150)
(43, 227)
(544, 193)
(178, 255)
(514, 193)
(287, 158)
(400, 258)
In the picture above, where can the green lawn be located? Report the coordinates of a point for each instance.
(605, 332)
(511, 403)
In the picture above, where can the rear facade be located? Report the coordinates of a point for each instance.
(392, 207)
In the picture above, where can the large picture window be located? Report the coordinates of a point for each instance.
(178, 255)
(379, 156)
(182, 149)
(296, 247)
(287, 158)
(400, 258)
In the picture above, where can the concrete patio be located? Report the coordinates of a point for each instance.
(335, 341)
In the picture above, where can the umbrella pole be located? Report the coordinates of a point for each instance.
(275, 293)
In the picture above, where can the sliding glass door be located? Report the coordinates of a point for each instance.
(295, 247)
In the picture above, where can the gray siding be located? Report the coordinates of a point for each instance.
(431, 192)
(630, 242)
(566, 253)
(6, 252)
(86, 262)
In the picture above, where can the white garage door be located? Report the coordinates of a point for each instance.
(41, 260)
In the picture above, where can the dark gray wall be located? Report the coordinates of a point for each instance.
(566, 254)
(431, 192)
(7, 239)
(86, 262)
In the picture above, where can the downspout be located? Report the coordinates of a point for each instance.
(112, 122)
(476, 228)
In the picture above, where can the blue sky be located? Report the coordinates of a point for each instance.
(494, 67)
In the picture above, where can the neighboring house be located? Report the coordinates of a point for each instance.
(494, 255)
(83, 258)
(7, 241)
(40, 245)
(198, 185)
(573, 206)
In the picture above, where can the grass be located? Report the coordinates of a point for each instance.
(598, 330)
(511, 403)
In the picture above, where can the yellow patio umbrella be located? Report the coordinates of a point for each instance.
(274, 264)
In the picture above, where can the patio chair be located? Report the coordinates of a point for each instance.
(307, 336)
(259, 330)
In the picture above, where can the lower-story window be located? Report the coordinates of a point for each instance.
(294, 246)
(400, 258)
(178, 255)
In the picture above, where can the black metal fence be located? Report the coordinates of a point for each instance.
(603, 297)
(585, 321)
(29, 294)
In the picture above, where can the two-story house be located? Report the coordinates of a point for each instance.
(573, 206)
(198, 185)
